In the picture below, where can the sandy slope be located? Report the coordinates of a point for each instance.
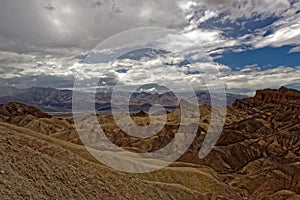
(39, 166)
(32, 168)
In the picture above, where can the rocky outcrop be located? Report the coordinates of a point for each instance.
(14, 109)
(286, 98)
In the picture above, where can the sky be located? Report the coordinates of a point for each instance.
(246, 44)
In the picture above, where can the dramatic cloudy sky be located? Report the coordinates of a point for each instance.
(253, 43)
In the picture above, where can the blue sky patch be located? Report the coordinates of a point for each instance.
(266, 58)
(239, 27)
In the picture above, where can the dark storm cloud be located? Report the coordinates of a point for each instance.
(97, 3)
(38, 81)
(77, 23)
(48, 6)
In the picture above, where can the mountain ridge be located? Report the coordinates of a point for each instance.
(54, 100)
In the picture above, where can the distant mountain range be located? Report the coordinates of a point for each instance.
(54, 100)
